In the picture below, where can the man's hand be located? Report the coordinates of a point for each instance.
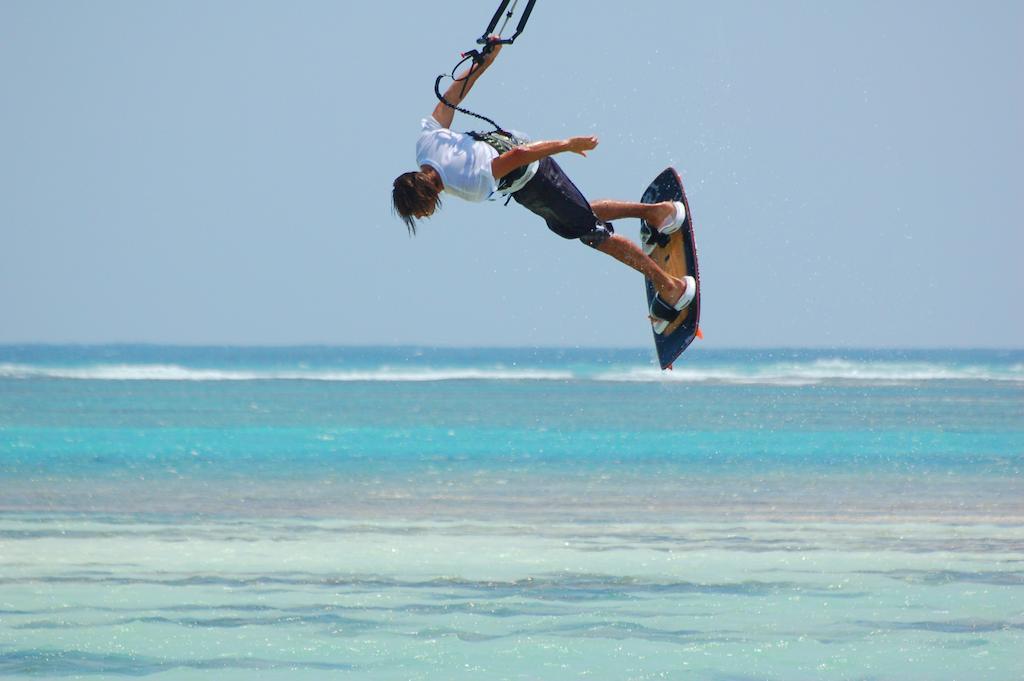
(535, 151)
(581, 145)
(491, 54)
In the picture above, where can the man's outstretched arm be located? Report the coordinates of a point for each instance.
(534, 151)
(463, 83)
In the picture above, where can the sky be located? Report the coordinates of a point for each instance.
(220, 172)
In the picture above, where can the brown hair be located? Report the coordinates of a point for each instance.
(412, 193)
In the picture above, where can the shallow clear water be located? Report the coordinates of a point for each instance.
(510, 514)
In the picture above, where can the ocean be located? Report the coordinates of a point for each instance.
(536, 514)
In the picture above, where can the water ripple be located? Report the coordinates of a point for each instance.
(572, 587)
(42, 662)
(939, 577)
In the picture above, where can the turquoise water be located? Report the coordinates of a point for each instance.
(403, 513)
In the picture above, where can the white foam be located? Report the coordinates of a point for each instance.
(173, 372)
(816, 372)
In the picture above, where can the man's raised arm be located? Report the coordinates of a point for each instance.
(458, 90)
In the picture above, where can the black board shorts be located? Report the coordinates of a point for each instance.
(552, 195)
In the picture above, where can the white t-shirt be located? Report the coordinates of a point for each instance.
(463, 163)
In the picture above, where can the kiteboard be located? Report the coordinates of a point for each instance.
(677, 255)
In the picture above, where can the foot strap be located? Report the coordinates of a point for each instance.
(663, 314)
(655, 237)
(662, 310)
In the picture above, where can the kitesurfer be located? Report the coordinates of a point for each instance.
(473, 167)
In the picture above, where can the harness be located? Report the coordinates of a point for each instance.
(502, 142)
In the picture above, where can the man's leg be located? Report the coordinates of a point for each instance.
(625, 251)
(655, 214)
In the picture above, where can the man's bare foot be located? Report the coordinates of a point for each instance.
(672, 293)
(661, 214)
